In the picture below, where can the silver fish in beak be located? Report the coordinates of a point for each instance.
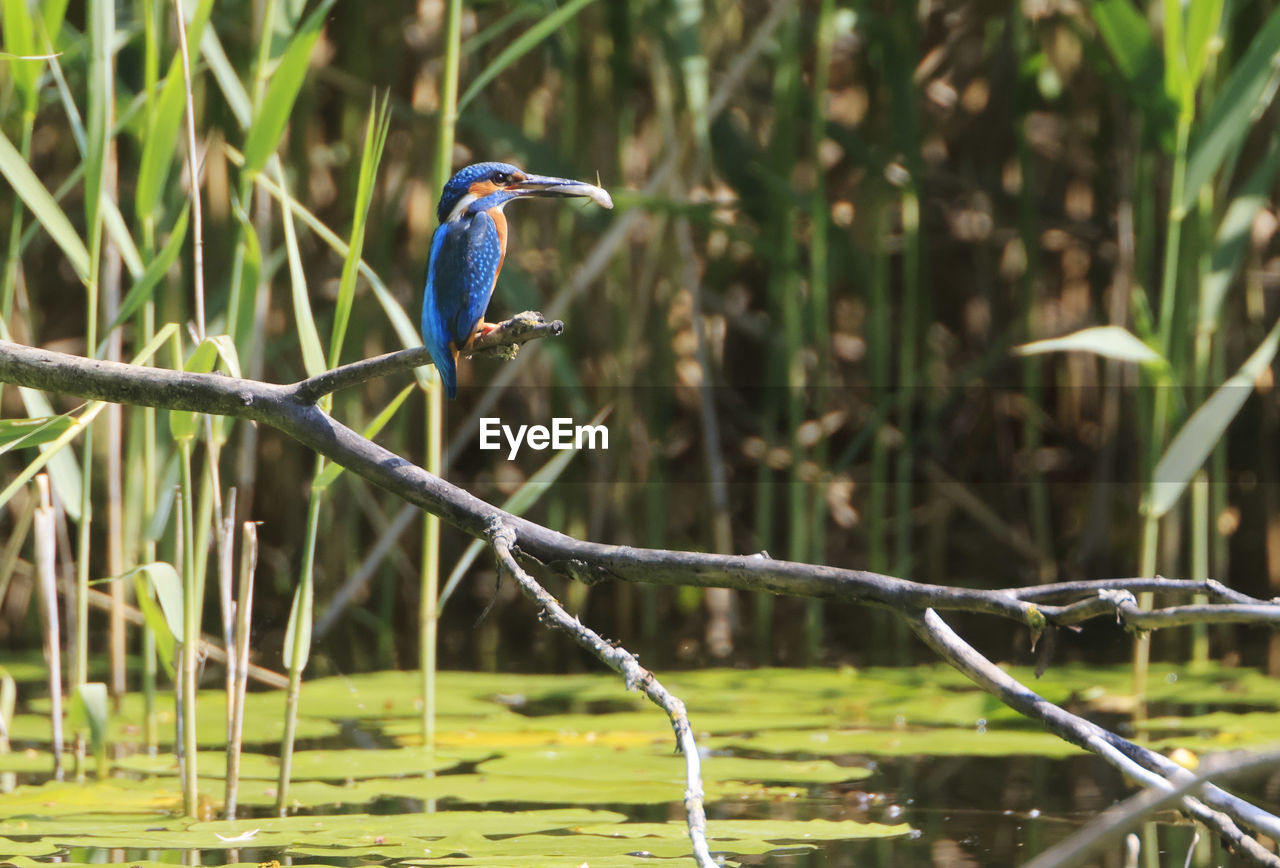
(542, 185)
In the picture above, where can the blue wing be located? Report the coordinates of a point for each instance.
(465, 257)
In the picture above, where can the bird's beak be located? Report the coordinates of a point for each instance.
(541, 185)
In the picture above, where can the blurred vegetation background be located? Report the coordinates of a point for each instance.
(835, 222)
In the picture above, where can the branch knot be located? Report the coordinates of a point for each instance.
(500, 534)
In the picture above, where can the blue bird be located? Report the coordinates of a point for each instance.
(467, 251)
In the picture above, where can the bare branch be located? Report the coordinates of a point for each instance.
(284, 408)
(1215, 590)
(625, 664)
(504, 340)
(1216, 808)
(1125, 605)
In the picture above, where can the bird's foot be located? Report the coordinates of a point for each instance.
(482, 329)
(502, 338)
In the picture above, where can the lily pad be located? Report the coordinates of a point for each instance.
(483, 789)
(363, 830)
(757, 830)
(361, 764)
(625, 768)
(573, 849)
(32, 761)
(264, 721)
(92, 824)
(60, 798)
(9, 848)
(316, 765)
(900, 742)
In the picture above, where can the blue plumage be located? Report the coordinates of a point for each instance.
(460, 280)
(467, 251)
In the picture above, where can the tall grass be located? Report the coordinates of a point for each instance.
(442, 168)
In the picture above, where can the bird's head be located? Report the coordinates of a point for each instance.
(482, 186)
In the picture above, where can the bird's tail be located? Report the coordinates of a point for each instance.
(447, 368)
(445, 360)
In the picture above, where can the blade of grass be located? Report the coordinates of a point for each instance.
(520, 46)
(28, 433)
(114, 220)
(13, 546)
(1230, 243)
(277, 103)
(331, 472)
(183, 423)
(20, 44)
(98, 147)
(192, 609)
(101, 94)
(144, 287)
(1198, 437)
(297, 636)
(1247, 92)
(374, 141)
(49, 453)
(52, 13)
(43, 207)
(406, 331)
(1112, 342)
(225, 75)
(308, 336)
(154, 615)
(159, 145)
(1203, 18)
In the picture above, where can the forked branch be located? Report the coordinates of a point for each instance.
(625, 664)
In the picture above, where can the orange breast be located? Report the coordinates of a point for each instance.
(500, 223)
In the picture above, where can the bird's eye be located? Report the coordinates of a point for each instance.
(502, 179)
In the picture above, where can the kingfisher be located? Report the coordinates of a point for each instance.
(467, 251)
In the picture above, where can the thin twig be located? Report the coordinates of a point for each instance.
(625, 664)
(503, 340)
(1126, 607)
(1214, 589)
